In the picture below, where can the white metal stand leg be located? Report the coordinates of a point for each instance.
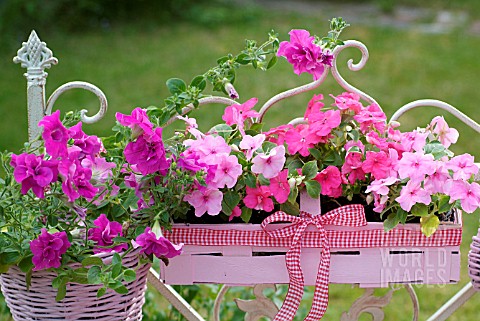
(454, 303)
(173, 297)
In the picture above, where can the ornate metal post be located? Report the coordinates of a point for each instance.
(36, 57)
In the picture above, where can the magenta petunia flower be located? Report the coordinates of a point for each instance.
(104, 234)
(76, 180)
(90, 145)
(278, 134)
(269, 165)
(55, 135)
(303, 54)
(147, 153)
(331, 181)
(33, 172)
(314, 105)
(158, 246)
(299, 139)
(236, 212)
(259, 198)
(48, 248)
(352, 168)
(205, 200)
(279, 186)
(138, 122)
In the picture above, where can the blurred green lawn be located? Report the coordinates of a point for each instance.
(131, 63)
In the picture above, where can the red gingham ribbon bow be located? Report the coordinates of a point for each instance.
(348, 215)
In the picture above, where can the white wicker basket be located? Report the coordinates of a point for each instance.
(80, 303)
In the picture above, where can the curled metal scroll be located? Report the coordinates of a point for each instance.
(438, 104)
(82, 85)
(352, 66)
(254, 309)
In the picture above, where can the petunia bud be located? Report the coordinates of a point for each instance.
(232, 93)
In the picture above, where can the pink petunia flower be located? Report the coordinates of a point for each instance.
(269, 165)
(104, 233)
(259, 198)
(54, 134)
(463, 166)
(158, 246)
(250, 144)
(352, 168)
(279, 186)
(228, 171)
(48, 248)
(137, 121)
(414, 140)
(299, 139)
(348, 101)
(207, 200)
(415, 166)
(236, 212)
(435, 182)
(277, 135)
(370, 117)
(34, 172)
(468, 194)
(330, 181)
(237, 114)
(314, 105)
(375, 139)
(446, 135)
(381, 186)
(411, 194)
(147, 153)
(322, 123)
(208, 147)
(303, 54)
(378, 164)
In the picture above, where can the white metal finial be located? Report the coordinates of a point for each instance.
(36, 57)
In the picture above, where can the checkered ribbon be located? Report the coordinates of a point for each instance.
(349, 215)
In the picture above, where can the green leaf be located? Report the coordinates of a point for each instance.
(122, 289)
(250, 180)
(129, 275)
(292, 197)
(92, 260)
(257, 127)
(272, 62)
(429, 224)
(94, 274)
(61, 292)
(116, 259)
(222, 130)
(199, 82)
(444, 204)
(419, 209)
(293, 166)
(230, 200)
(313, 188)
(246, 214)
(116, 270)
(290, 208)
(26, 264)
(390, 222)
(310, 170)
(268, 146)
(315, 153)
(263, 181)
(101, 292)
(176, 86)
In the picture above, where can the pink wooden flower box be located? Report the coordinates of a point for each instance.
(403, 255)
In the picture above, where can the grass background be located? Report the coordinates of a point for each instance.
(130, 62)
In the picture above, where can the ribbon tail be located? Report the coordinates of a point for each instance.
(295, 288)
(320, 296)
